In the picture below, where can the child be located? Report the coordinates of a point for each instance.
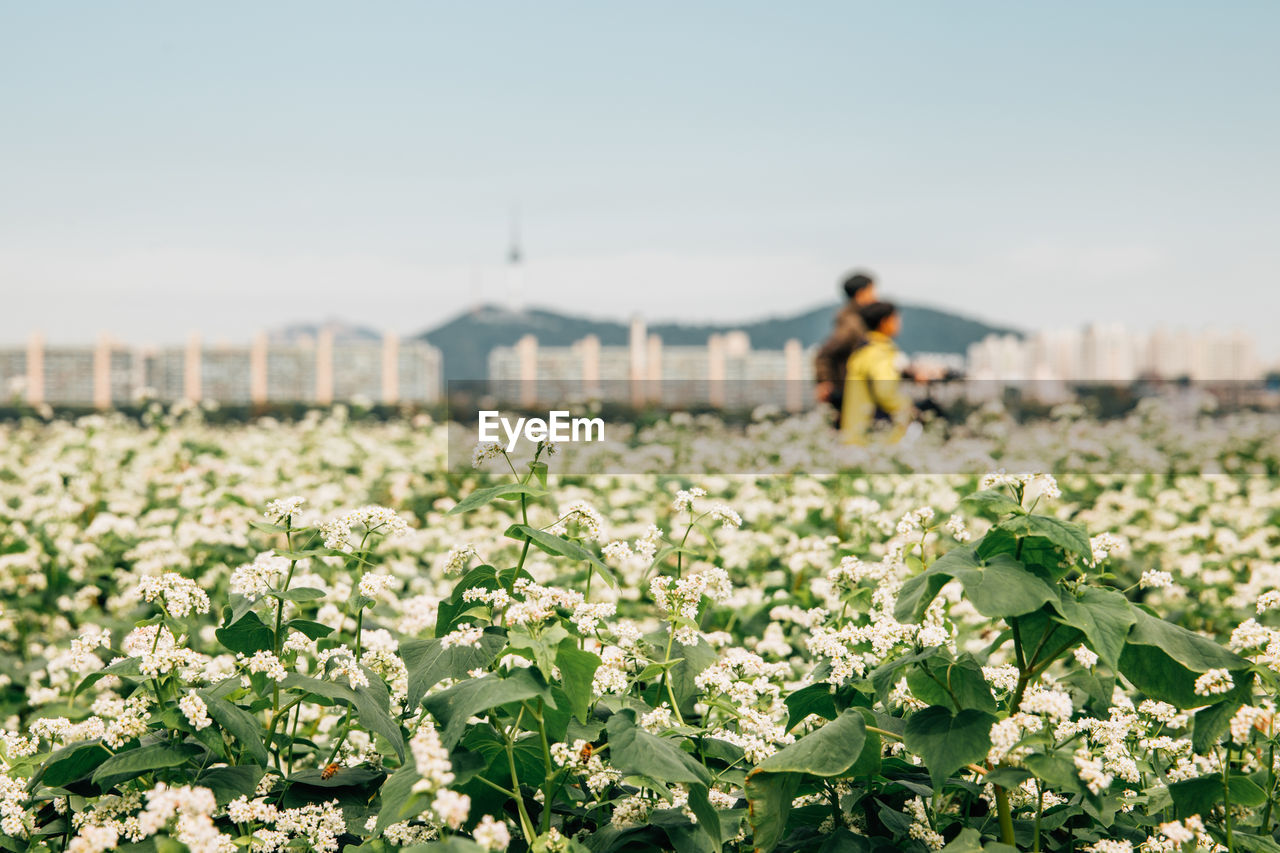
(872, 378)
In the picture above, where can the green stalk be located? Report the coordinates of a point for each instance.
(525, 822)
(1226, 798)
(1039, 814)
(1271, 788)
(666, 682)
(1004, 816)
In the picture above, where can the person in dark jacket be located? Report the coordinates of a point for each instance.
(848, 333)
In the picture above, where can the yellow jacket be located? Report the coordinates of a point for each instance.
(871, 383)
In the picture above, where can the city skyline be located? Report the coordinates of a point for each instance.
(1106, 161)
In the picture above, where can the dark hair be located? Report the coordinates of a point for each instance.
(877, 312)
(856, 282)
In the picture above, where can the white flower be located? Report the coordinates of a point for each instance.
(1104, 544)
(372, 585)
(195, 710)
(458, 558)
(1214, 682)
(727, 517)
(431, 759)
(1037, 486)
(684, 498)
(254, 580)
(283, 510)
(1085, 657)
(491, 835)
(484, 451)
(451, 807)
(463, 635)
(180, 596)
(956, 527)
(1091, 771)
(264, 662)
(1155, 579)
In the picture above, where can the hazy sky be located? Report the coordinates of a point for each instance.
(232, 166)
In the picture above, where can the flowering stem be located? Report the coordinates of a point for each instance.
(525, 822)
(1005, 818)
(1226, 797)
(495, 786)
(359, 627)
(293, 737)
(666, 681)
(288, 578)
(346, 726)
(1039, 814)
(1271, 788)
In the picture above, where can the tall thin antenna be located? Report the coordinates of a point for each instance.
(515, 266)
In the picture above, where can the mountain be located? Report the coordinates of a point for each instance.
(342, 331)
(467, 339)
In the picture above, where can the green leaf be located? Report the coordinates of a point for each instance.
(828, 751)
(1200, 795)
(769, 797)
(228, 783)
(968, 841)
(124, 668)
(301, 593)
(559, 546)
(371, 703)
(238, 723)
(708, 816)
(948, 742)
(481, 577)
(814, 699)
(1163, 660)
(1007, 777)
(397, 794)
(635, 752)
(1058, 772)
(429, 663)
(995, 501)
(454, 706)
(540, 648)
(1208, 724)
(690, 662)
(503, 491)
(452, 844)
(1067, 535)
(344, 777)
(1103, 615)
(577, 669)
(963, 678)
(310, 629)
(919, 590)
(133, 763)
(1003, 588)
(1255, 843)
(248, 635)
(998, 587)
(71, 764)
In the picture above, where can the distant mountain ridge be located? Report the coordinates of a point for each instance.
(467, 339)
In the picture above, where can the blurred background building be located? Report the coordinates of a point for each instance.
(1112, 353)
(725, 371)
(320, 369)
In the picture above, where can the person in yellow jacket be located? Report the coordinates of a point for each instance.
(872, 379)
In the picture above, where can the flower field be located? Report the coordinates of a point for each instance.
(317, 636)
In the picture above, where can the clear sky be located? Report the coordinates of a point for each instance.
(231, 166)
